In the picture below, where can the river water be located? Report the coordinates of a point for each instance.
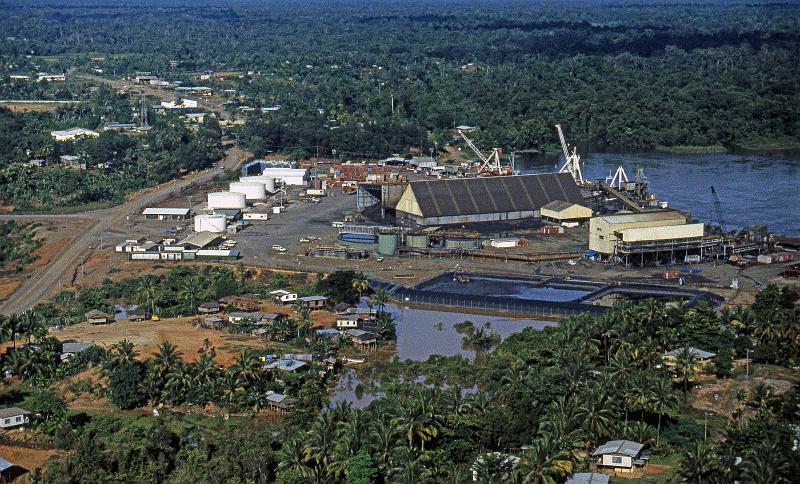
(422, 333)
(753, 189)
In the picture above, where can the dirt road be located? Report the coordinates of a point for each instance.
(42, 283)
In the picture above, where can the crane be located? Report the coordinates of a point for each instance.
(490, 163)
(618, 178)
(718, 209)
(572, 164)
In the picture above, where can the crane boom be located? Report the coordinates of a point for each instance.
(572, 163)
(490, 163)
(718, 209)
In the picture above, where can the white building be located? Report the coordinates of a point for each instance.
(288, 176)
(13, 417)
(621, 456)
(72, 134)
(179, 104)
(165, 213)
(283, 297)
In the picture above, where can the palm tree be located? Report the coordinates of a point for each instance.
(419, 422)
(360, 285)
(686, 365)
(697, 464)
(596, 416)
(147, 292)
(190, 288)
(292, 457)
(13, 323)
(382, 439)
(544, 462)
(663, 401)
(321, 440)
(380, 298)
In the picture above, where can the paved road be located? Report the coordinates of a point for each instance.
(43, 282)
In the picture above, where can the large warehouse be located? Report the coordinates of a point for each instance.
(663, 234)
(487, 199)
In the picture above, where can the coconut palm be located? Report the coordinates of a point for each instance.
(544, 462)
(686, 366)
(663, 401)
(321, 440)
(697, 464)
(380, 298)
(596, 415)
(148, 291)
(360, 285)
(189, 290)
(419, 422)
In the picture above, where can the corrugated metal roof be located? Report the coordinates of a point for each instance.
(698, 353)
(587, 478)
(471, 196)
(75, 347)
(4, 464)
(12, 412)
(625, 447)
(643, 216)
(165, 211)
(200, 239)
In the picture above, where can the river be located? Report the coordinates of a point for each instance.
(753, 189)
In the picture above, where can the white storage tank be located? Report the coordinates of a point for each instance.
(268, 181)
(269, 184)
(226, 200)
(251, 190)
(210, 223)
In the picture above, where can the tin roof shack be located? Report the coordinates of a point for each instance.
(620, 457)
(704, 358)
(208, 307)
(69, 350)
(313, 302)
(10, 471)
(279, 402)
(365, 340)
(587, 478)
(485, 199)
(95, 316)
(13, 417)
(73, 134)
(559, 211)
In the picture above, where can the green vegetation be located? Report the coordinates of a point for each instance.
(116, 164)
(558, 393)
(17, 244)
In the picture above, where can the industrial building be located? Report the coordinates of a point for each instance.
(287, 176)
(559, 211)
(484, 199)
(166, 213)
(656, 233)
(73, 133)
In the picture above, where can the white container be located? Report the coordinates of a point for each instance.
(251, 190)
(315, 192)
(210, 223)
(764, 259)
(226, 200)
(276, 210)
(504, 243)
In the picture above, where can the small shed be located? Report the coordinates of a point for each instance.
(560, 211)
(327, 333)
(587, 478)
(68, 350)
(95, 316)
(279, 402)
(10, 471)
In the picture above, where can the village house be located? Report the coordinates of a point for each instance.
(69, 350)
(703, 358)
(313, 302)
(256, 318)
(208, 307)
(13, 417)
(620, 457)
(279, 402)
(96, 316)
(365, 340)
(282, 296)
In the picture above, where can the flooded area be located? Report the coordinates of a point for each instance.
(423, 333)
(753, 189)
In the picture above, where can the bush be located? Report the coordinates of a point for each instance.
(124, 386)
(682, 433)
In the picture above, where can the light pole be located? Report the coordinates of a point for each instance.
(747, 362)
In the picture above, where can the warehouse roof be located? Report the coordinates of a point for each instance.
(558, 205)
(623, 218)
(165, 211)
(470, 196)
(199, 240)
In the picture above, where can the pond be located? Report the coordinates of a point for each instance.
(502, 287)
(423, 333)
